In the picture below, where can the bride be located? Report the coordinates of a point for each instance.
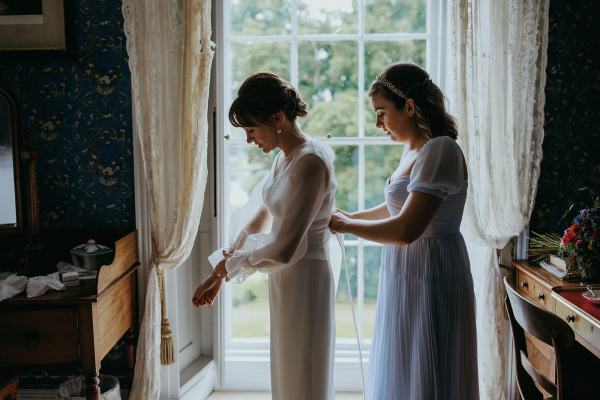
(297, 198)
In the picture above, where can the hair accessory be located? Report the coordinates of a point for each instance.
(380, 79)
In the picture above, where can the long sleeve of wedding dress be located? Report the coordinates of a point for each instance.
(295, 209)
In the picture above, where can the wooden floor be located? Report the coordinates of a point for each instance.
(51, 394)
(267, 396)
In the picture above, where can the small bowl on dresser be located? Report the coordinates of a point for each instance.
(593, 296)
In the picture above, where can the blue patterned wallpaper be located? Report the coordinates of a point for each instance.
(77, 108)
(572, 132)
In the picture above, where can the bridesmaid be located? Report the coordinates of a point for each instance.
(424, 343)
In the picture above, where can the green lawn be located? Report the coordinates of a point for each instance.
(252, 320)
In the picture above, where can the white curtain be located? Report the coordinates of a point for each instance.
(499, 52)
(170, 56)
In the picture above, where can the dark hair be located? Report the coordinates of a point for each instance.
(261, 96)
(413, 81)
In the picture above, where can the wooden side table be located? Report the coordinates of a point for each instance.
(78, 325)
(544, 289)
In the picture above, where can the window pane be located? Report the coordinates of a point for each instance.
(386, 16)
(346, 174)
(247, 166)
(249, 58)
(250, 311)
(378, 55)
(260, 17)
(344, 325)
(372, 266)
(380, 162)
(317, 16)
(328, 82)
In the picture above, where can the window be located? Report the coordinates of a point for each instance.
(331, 51)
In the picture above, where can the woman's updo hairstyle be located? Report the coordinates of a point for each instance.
(409, 81)
(263, 95)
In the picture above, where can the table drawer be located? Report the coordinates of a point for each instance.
(580, 325)
(531, 288)
(41, 336)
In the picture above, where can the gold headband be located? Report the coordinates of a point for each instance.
(380, 79)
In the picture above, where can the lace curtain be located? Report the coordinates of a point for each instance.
(499, 52)
(170, 56)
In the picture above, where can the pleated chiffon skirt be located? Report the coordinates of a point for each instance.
(424, 342)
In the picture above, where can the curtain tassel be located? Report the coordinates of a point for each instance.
(167, 354)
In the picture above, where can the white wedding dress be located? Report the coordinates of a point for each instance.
(299, 193)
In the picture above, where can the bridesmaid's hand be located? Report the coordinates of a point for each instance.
(345, 213)
(339, 223)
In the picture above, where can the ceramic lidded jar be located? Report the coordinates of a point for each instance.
(91, 255)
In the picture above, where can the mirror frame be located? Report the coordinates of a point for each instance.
(19, 228)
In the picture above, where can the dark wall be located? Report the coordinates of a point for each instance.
(77, 109)
(572, 127)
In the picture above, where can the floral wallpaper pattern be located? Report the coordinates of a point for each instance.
(572, 131)
(77, 109)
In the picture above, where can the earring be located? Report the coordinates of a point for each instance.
(279, 131)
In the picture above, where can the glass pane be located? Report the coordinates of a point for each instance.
(344, 325)
(372, 265)
(249, 58)
(380, 162)
(250, 311)
(386, 16)
(260, 17)
(378, 55)
(317, 16)
(346, 173)
(247, 166)
(328, 82)
(8, 205)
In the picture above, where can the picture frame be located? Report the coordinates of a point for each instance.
(32, 25)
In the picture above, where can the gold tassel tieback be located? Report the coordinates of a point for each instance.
(167, 354)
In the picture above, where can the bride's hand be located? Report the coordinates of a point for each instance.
(339, 223)
(208, 289)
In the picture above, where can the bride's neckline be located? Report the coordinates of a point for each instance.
(288, 157)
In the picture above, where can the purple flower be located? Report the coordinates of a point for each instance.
(579, 244)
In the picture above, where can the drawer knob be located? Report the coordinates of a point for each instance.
(541, 296)
(570, 318)
(524, 284)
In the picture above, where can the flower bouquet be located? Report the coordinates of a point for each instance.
(580, 244)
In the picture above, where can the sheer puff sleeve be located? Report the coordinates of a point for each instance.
(287, 243)
(439, 168)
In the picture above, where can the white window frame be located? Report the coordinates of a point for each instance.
(245, 365)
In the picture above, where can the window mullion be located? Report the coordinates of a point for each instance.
(361, 71)
(360, 291)
(360, 266)
(294, 45)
